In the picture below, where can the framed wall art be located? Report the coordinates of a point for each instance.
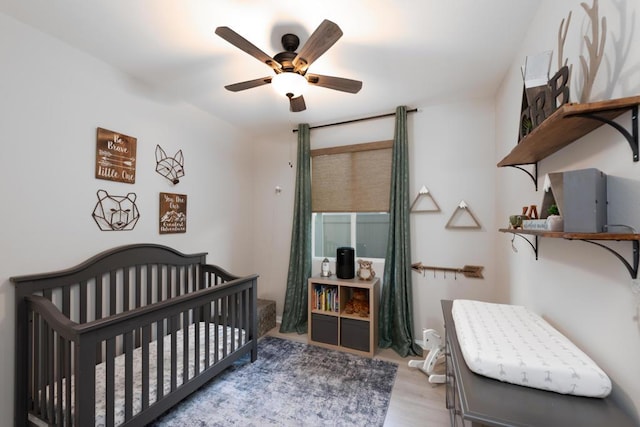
(115, 156)
(173, 213)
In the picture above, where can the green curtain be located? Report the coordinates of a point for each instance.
(396, 312)
(294, 316)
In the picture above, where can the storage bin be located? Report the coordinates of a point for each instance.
(324, 329)
(354, 334)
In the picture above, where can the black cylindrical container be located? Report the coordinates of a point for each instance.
(345, 263)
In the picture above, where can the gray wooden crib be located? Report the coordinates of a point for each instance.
(127, 334)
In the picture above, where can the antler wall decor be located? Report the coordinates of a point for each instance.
(595, 48)
(469, 271)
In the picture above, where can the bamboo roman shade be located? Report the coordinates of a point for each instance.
(353, 178)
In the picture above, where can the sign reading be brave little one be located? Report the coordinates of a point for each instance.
(115, 156)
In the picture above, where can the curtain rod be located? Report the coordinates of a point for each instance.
(357, 120)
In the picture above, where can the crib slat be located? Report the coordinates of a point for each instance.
(33, 349)
(179, 283)
(42, 389)
(66, 301)
(128, 375)
(245, 316)
(207, 333)
(126, 303)
(225, 323)
(149, 283)
(113, 297)
(174, 352)
(98, 314)
(185, 347)
(38, 372)
(233, 301)
(137, 285)
(171, 291)
(216, 323)
(51, 373)
(67, 376)
(110, 381)
(59, 370)
(160, 359)
(160, 282)
(146, 337)
(196, 338)
(84, 303)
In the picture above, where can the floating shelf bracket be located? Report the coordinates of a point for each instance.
(631, 137)
(533, 176)
(633, 270)
(534, 246)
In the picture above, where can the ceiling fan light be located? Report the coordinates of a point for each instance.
(289, 83)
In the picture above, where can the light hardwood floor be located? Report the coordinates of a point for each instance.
(414, 401)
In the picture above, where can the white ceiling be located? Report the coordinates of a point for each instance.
(406, 52)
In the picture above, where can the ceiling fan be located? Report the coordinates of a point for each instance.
(290, 67)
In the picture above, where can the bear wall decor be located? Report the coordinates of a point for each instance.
(115, 213)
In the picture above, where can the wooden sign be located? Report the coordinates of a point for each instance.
(115, 156)
(173, 213)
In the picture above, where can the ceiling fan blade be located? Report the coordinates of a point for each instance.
(335, 83)
(237, 87)
(322, 39)
(243, 44)
(297, 104)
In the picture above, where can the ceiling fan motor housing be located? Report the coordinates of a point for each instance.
(290, 43)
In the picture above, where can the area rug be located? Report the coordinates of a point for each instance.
(291, 384)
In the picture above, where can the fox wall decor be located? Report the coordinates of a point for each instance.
(171, 168)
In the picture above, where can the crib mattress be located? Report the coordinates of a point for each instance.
(237, 335)
(512, 344)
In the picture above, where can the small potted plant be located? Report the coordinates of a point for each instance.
(554, 219)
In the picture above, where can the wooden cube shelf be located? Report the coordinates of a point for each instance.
(331, 326)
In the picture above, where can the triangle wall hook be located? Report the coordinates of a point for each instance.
(424, 193)
(460, 210)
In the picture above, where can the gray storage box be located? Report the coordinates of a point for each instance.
(354, 334)
(324, 328)
(585, 201)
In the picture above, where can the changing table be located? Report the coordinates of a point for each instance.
(475, 400)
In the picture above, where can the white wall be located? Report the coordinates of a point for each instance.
(52, 100)
(451, 149)
(579, 288)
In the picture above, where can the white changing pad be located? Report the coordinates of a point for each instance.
(514, 345)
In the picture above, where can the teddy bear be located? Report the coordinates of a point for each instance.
(358, 304)
(365, 271)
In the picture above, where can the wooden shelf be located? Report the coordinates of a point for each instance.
(573, 236)
(593, 238)
(569, 123)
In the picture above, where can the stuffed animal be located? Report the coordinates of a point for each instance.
(365, 271)
(358, 304)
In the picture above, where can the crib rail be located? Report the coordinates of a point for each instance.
(121, 302)
(61, 348)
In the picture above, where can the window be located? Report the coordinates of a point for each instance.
(366, 232)
(349, 197)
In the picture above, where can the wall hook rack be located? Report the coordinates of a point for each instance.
(424, 193)
(463, 208)
(469, 271)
